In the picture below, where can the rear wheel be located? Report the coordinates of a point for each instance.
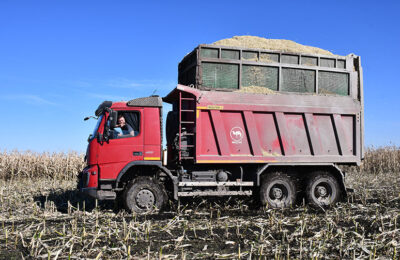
(278, 190)
(322, 190)
(144, 194)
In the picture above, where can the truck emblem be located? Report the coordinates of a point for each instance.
(237, 135)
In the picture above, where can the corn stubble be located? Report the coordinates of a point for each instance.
(43, 216)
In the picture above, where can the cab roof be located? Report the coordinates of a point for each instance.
(152, 101)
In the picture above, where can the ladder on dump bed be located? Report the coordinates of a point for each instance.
(187, 121)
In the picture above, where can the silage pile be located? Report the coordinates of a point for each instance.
(257, 90)
(256, 42)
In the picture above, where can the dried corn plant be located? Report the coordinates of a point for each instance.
(62, 166)
(65, 166)
(382, 160)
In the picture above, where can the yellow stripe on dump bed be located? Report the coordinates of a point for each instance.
(215, 107)
(235, 161)
(211, 107)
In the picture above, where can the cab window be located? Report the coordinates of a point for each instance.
(128, 125)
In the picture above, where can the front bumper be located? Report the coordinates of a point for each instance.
(99, 194)
(94, 192)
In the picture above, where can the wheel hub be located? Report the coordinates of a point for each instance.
(277, 193)
(322, 191)
(145, 198)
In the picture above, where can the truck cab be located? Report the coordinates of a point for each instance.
(111, 152)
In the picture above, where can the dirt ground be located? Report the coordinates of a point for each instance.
(50, 219)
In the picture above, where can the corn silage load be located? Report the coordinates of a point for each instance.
(255, 42)
(257, 89)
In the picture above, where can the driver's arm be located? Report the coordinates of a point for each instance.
(130, 129)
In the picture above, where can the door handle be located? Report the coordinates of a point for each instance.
(137, 153)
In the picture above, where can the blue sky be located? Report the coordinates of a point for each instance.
(60, 59)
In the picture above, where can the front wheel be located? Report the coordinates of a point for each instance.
(322, 190)
(278, 190)
(144, 194)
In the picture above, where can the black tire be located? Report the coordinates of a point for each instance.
(278, 190)
(144, 194)
(322, 190)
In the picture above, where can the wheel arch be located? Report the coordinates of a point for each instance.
(340, 176)
(133, 169)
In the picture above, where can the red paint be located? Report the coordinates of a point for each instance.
(276, 144)
(112, 156)
(255, 128)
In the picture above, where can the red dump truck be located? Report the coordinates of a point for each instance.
(282, 145)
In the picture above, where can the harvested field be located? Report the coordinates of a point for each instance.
(256, 42)
(44, 217)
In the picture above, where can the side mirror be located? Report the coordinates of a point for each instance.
(113, 119)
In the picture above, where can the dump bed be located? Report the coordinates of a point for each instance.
(234, 127)
(309, 108)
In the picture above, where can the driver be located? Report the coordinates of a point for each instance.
(127, 130)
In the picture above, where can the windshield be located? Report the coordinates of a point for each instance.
(97, 126)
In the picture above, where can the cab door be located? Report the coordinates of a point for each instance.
(119, 151)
